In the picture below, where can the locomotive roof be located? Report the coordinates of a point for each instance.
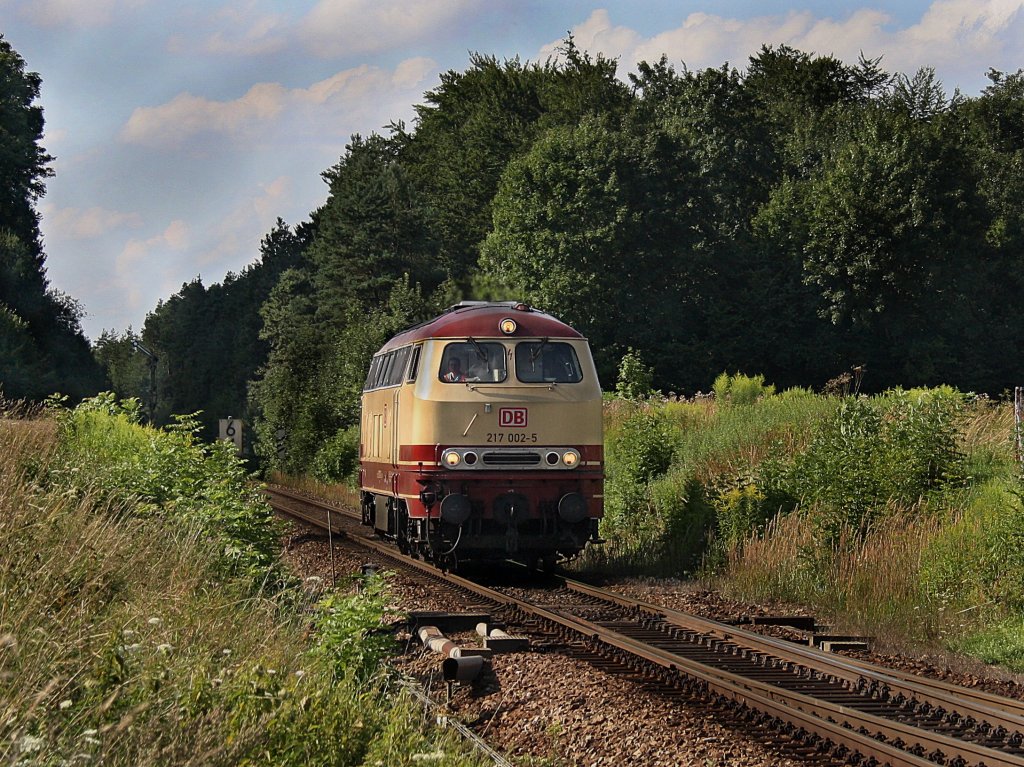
(480, 319)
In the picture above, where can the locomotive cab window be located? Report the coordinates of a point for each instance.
(473, 361)
(547, 362)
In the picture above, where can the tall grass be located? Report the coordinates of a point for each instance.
(898, 515)
(124, 639)
(659, 520)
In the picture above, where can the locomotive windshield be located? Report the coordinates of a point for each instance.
(473, 361)
(547, 362)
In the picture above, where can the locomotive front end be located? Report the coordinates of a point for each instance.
(499, 450)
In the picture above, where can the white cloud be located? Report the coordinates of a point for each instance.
(187, 115)
(269, 109)
(351, 27)
(247, 32)
(238, 235)
(87, 223)
(79, 13)
(134, 278)
(960, 38)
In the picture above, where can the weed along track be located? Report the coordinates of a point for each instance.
(823, 706)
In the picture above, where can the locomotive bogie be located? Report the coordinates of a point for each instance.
(481, 437)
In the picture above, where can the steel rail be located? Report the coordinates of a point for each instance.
(1005, 712)
(853, 730)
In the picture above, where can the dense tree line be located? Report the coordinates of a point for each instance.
(795, 218)
(42, 348)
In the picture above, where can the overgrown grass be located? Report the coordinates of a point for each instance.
(670, 465)
(898, 515)
(132, 631)
(340, 492)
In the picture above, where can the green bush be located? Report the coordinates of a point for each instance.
(338, 458)
(124, 639)
(869, 455)
(636, 378)
(643, 448)
(740, 389)
(170, 473)
(348, 631)
(739, 511)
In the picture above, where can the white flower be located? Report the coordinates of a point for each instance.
(271, 671)
(226, 651)
(154, 621)
(435, 756)
(166, 649)
(65, 705)
(92, 741)
(300, 673)
(29, 744)
(90, 733)
(127, 633)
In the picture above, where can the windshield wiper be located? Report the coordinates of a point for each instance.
(540, 347)
(479, 349)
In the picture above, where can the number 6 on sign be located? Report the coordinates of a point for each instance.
(231, 431)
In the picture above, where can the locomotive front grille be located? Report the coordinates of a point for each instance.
(497, 458)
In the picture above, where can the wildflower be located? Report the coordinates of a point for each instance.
(90, 733)
(65, 705)
(300, 673)
(128, 633)
(271, 671)
(435, 756)
(226, 651)
(92, 741)
(166, 649)
(29, 744)
(154, 621)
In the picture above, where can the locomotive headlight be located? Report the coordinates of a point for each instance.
(507, 326)
(451, 458)
(571, 458)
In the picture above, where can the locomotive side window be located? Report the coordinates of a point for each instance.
(469, 361)
(371, 377)
(414, 365)
(382, 371)
(547, 362)
(387, 369)
(397, 371)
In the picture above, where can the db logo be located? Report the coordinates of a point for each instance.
(512, 416)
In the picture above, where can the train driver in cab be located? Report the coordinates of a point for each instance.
(454, 374)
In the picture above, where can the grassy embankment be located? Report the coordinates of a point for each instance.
(144, 617)
(899, 515)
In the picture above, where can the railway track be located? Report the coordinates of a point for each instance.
(830, 704)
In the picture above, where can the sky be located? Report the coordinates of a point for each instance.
(183, 130)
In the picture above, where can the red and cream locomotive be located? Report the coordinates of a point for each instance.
(481, 438)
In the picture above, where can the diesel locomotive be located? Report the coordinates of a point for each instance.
(481, 438)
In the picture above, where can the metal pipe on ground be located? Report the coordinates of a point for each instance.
(433, 639)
